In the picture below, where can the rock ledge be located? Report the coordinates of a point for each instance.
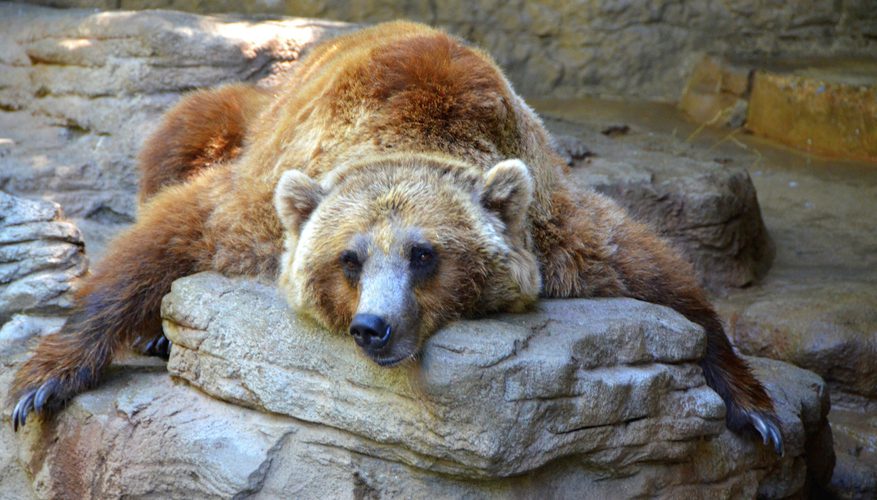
(582, 397)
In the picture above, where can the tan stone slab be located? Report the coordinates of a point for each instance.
(819, 110)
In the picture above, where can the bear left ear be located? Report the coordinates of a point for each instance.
(296, 196)
(508, 191)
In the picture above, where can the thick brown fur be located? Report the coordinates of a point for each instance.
(206, 128)
(392, 127)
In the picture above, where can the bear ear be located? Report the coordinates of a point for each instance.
(296, 196)
(508, 191)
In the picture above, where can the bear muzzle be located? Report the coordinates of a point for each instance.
(370, 331)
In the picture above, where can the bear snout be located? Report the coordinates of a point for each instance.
(370, 331)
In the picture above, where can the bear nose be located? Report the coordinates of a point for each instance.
(370, 331)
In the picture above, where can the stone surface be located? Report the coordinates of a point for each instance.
(80, 90)
(16, 332)
(598, 47)
(819, 212)
(717, 92)
(40, 255)
(14, 481)
(824, 106)
(524, 368)
(708, 211)
(830, 329)
(582, 398)
(855, 434)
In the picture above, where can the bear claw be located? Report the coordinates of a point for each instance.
(25, 404)
(35, 401)
(769, 431)
(43, 393)
(159, 346)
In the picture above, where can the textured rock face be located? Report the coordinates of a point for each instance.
(855, 475)
(824, 106)
(582, 398)
(40, 258)
(40, 255)
(80, 90)
(524, 368)
(830, 329)
(587, 47)
(717, 92)
(818, 109)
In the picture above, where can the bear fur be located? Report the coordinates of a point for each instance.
(393, 183)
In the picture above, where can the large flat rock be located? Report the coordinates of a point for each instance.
(579, 398)
(591, 373)
(829, 328)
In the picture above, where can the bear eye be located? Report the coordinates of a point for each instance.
(423, 260)
(350, 264)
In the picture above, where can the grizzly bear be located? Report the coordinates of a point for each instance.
(394, 183)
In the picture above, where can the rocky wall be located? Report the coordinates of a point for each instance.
(596, 47)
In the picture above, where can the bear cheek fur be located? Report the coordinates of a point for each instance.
(312, 280)
(515, 281)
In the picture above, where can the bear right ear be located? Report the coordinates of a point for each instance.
(296, 196)
(508, 191)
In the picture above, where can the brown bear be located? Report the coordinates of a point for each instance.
(394, 183)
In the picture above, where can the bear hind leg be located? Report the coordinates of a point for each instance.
(650, 270)
(205, 128)
(746, 401)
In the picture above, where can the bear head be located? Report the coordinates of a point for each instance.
(391, 250)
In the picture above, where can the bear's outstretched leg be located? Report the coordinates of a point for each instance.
(116, 303)
(594, 249)
(205, 128)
